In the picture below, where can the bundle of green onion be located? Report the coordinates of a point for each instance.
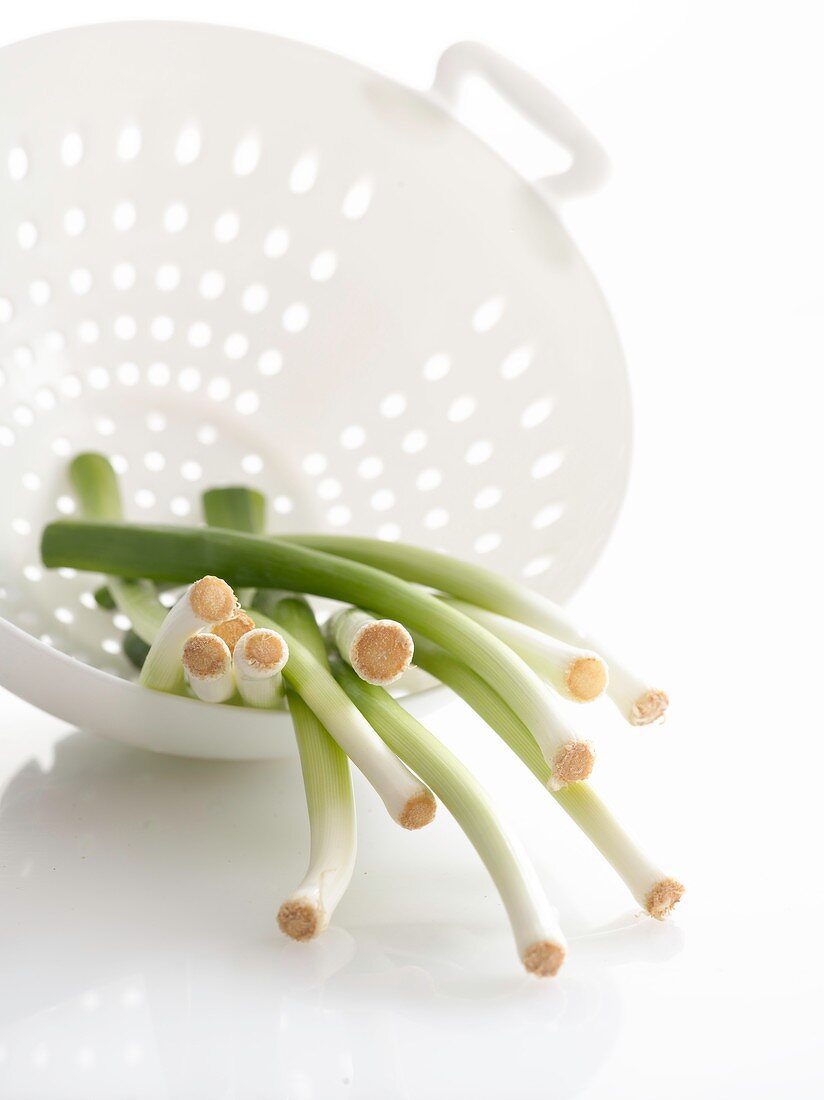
(507, 651)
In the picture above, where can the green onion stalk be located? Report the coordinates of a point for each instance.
(180, 553)
(656, 891)
(638, 702)
(539, 939)
(329, 798)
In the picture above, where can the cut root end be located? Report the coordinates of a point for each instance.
(212, 600)
(648, 708)
(232, 630)
(544, 959)
(418, 811)
(300, 919)
(586, 678)
(381, 652)
(663, 897)
(206, 657)
(264, 651)
(572, 763)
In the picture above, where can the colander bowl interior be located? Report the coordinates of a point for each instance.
(228, 258)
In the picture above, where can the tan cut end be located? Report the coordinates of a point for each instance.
(648, 708)
(264, 650)
(663, 897)
(419, 810)
(544, 959)
(232, 630)
(586, 678)
(299, 919)
(381, 652)
(212, 600)
(205, 657)
(573, 762)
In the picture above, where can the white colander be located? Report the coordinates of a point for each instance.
(229, 258)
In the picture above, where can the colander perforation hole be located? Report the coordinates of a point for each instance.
(429, 479)
(329, 488)
(478, 452)
(124, 276)
(199, 334)
(18, 163)
(323, 266)
(536, 412)
(71, 149)
(358, 199)
(167, 278)
(371, 467)
(276, 242)
(488, 314)
(487, 497)
(236, 345)
(304, 173)
(487, 542)
(219, 388)
(389, 532)
(227, 226)
(461, 408)
(98, 378)
(80, 281)
(546, 464)
(129, 142)
(270, 362)
(40, 292)
(516, 363)
(414, 442)
(188, 145)
(162, 328)
(393, 405)
(6, 311)
(352, 437)
(211, 285)
(536, 566)
(125, 327)
(175, 217)
(436, 367)
(124, 216)
(27, 235)
(295, 317)
(282, 504)
(547, 515)
(436, 519)
(247, 155)
(255, 298)
(339, 515)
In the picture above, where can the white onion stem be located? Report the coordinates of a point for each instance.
(259, 656)
(207, 666)
(577, 674)
(379, 650)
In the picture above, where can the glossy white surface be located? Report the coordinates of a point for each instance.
(709, 241)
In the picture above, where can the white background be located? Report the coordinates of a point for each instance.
(149, 971)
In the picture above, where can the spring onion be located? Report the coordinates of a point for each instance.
(236, 508)
(95, 482)
(259, 656)
(408, 801)
(540, 942)
(207, 667)
(651, 887)
(205, 603)
(178, 553)
(329, 798)
(637, 701)
(575, 673)
(379, 650)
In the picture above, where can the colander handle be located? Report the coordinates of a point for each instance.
(535, 102)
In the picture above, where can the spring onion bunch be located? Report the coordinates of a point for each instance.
(508, 652)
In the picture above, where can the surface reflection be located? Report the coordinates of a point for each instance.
(138, 944)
